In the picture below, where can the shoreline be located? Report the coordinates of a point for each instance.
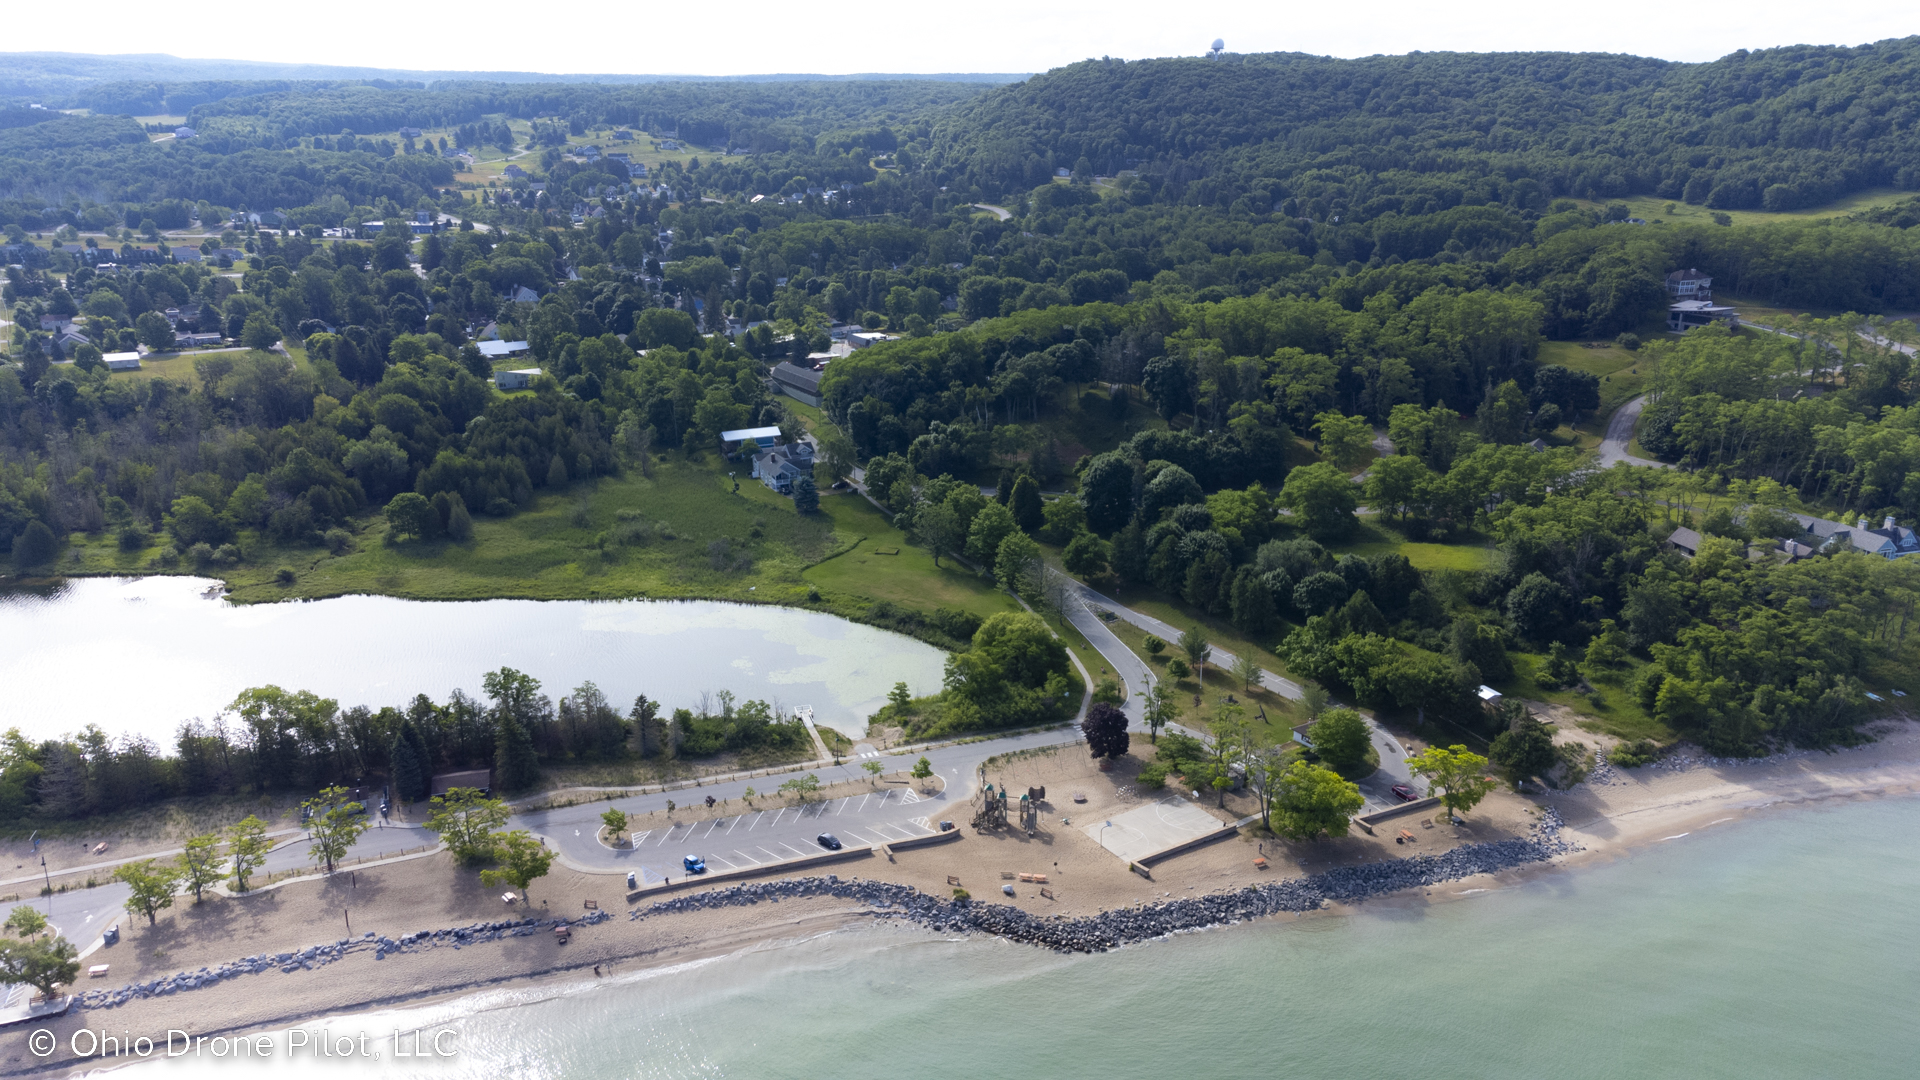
(1618, 817)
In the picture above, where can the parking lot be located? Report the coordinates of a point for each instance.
(768, 836)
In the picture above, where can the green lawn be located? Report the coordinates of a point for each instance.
(1280, 713)
(1655, 209)
(907, 578)
(1376, 536)
(1617, 713)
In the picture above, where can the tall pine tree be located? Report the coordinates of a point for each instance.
(515, 767)
(409, 783)
(1025, 504)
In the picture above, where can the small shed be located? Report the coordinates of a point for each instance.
(122, 361)
(1303, 736)
(517, 379)
(749, 439)
(1685, 541)
(1489, 697)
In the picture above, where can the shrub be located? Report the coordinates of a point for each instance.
(1153, 776)
(132, 536)
(1178, 668)
(283, 576)
(1155, 646)
(500, 506)
(961, 894)
(339, 541)
(1634, 754)
(200, 555)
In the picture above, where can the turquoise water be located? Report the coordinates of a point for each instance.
(1783, 946)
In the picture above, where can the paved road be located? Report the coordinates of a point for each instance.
(81, 915)
(1613, 448)
(1393, 768)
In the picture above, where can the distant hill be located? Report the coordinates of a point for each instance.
(39, 75)
(1780, 128)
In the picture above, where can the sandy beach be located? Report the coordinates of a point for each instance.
(1610, 815)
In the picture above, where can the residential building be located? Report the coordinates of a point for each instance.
(185, 133)
(410, 133)
(1689, 285)
(514, 172)
(864, 338)
(1685, 541)
(1889, 541)
(523, 295)
(783, 466)
(497, 349)
(517, 379)
(197, 340)
(122, 361)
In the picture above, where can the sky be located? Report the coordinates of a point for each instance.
(757, 36)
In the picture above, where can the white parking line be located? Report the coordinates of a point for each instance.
(642, 838)
(770, 855)
(710, 828)
(756, 821)
(856, 832)
(843, 806)
(863, 802)
(736, 821)
(793, 849)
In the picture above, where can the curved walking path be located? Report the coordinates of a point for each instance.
(1000, 212)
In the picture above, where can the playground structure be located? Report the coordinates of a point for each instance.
(990, 807)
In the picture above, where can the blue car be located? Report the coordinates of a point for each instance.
(694, 864)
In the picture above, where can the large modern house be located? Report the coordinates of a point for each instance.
(1693, 306)
(1889, 541)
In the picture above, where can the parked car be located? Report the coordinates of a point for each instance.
(828, 840)
(694, 864)
(1406, 793)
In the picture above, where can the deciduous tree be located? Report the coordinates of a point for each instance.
(1106, 730)
(1310, 801)
(522, 860)
(464, 819)
(1456, 773)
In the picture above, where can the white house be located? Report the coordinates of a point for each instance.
(122, 361)
(517, 379)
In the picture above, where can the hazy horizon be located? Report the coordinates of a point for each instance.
(864, 36)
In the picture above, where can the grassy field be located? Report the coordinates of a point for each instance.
(1656, 209)
(1270, 712)
(883, 566)
(1376, 537)
(1615, 713)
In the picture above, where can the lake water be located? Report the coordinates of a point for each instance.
(142, 654)
(1778, 947)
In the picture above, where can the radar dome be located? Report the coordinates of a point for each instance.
(1219, 44)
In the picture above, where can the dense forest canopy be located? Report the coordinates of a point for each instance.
(1782, 128)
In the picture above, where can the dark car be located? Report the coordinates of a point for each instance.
(828, 840)
(694, 864)
(1406, 793)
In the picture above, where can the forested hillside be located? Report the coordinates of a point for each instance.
(1318, 136)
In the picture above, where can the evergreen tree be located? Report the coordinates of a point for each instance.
(806, 497)
(459, 522)
(408, 783)
(35, 545)
(515, 768)
(1028, 512)
(1003, 489)
(1253, 607)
